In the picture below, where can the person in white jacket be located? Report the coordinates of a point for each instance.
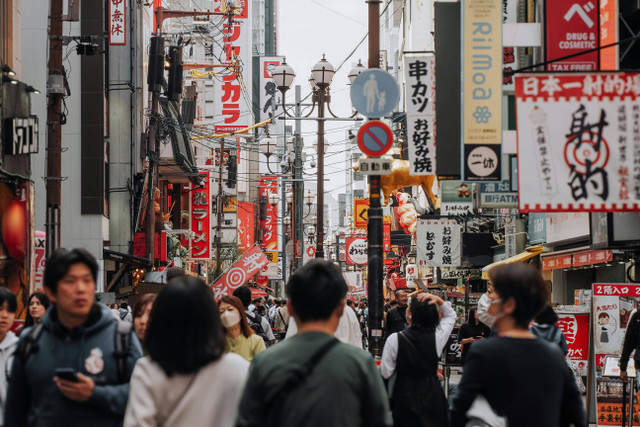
(187, 379)
(8, 342)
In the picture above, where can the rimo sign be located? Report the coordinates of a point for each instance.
(21, 135)
(117, 22)
(201, 221)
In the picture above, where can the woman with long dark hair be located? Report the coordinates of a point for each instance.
(241, 339)
(417, 398)
(185, 342)
(471, 331)
(37, 306)
(141, 314)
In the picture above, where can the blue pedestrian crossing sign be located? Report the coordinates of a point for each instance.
(375, 93)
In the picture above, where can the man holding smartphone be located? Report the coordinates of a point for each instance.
(70, 371)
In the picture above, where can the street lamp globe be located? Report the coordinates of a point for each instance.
(312, 83)
(355, 72)
(323, 73)
(309, 199)
(283, 76)
(273, 199)
(325, 146)
(267, 145)
(289, 198)
(286, 221)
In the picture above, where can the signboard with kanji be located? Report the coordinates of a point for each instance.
(117, 22)
(457, 197)
(201, 221)
(421, 114)
(438, 243)
(374, 166)
(578, 142)
(357, 251)
(244, 269)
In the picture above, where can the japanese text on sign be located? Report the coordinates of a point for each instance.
(201, 221)
(420, 98)
(117, 22)
(438, 243)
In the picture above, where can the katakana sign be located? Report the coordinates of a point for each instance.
(421, 114)
(201, 221)
(357, 251)
(244, 269)
(578, 142)
(438, 243)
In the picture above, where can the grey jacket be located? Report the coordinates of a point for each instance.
(34, 400)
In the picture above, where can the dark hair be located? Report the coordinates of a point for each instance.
(603, 315)
(424, 315)
(398, 291)
(144, 301)
(244, 323)
(185, 332)
(124, 305)
(471, 315)
(547, 316)
(10, 298)
(524, 284)
(30, 321)
(316, 290)
(243, 293)
(173, 272)
(60, 262)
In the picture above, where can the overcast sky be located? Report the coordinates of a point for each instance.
(306, 30)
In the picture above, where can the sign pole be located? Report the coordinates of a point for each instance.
(374, 230)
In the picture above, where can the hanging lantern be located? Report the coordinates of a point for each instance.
(15, 229)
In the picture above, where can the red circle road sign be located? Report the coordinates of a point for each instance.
(375, 138)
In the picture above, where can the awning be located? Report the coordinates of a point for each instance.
(257, 292)
(529, 253)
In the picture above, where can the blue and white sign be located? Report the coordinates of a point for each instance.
(497, 195)
(375, 93)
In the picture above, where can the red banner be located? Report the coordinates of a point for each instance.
(386, 237)
(246, 226)
(571, 27)
(242, 271)
(616, 289)
(576, 331)
(556, 262)
(200, 221)
(609, 57)
(592, 257)
(269, 227)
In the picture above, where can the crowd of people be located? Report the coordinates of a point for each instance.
(181, 358)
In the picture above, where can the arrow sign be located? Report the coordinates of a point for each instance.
(364, 214)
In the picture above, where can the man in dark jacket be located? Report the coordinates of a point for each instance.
(396, 319)
(631, 342)
(79, 335)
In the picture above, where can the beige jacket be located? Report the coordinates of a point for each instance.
(280, 324)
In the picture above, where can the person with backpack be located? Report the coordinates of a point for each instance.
(544, 326)
(241, 339)
(282, 321)
(312, 379)
(258, 323)
(72, 368)
(123, 312)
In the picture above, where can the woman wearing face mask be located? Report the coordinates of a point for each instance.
(37, 306)
(141, 312)
(518, 376)
(471, 331)
(417, 398)
(241, 339)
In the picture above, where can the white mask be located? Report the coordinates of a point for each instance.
(483, 311)
(230, 318)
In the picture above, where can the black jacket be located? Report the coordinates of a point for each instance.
(631, 341)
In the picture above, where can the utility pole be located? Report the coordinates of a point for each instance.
(298, 188)
(374, 229)
(219, 208)
(55, 93)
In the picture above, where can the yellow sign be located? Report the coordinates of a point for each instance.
(231, 204)
(482, 100)
(361, 213)
(272, 256)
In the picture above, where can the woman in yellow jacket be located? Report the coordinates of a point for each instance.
(241, 339)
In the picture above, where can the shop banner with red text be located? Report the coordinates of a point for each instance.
(575, 327)
(117, 22)
(611, 309)
(578, 142)
(571, 26)
(246, 226)
(201, 220)
(241, 272)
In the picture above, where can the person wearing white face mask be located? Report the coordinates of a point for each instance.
(241, 339)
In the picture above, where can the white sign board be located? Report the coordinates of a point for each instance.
(438, 243)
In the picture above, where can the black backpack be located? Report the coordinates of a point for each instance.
(255, 321)
(29, 345)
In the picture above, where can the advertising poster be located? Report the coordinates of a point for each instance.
(439, 243)
(457, 198)
(246, 226)
(355, 281)
(578, 142)
(575, 327)
(250, 264)
(571, 27)
(270, 96)
(482, 100)
(357, 251)
(269, 221)
(421, 114)
(610, 311)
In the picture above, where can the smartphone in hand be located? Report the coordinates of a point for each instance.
(67, 374)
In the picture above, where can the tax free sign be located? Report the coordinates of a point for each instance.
(482, 94)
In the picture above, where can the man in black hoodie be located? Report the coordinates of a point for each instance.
(77, 335)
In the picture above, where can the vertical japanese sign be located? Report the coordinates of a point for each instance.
(578, 142)
(201, 221)
(457, 197)
(421, 114)
(269, 224)
(609, 57)
(386, 237)
(438, 243)
(482, 99)
(571, 27)
(233, 102)
(40, 238)
(509, 54)
(244, 269)
(246, 226)
(611, 309)
(575, 327)
(117, 22)
(270, 96)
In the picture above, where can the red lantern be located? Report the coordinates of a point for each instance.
(15, 229)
